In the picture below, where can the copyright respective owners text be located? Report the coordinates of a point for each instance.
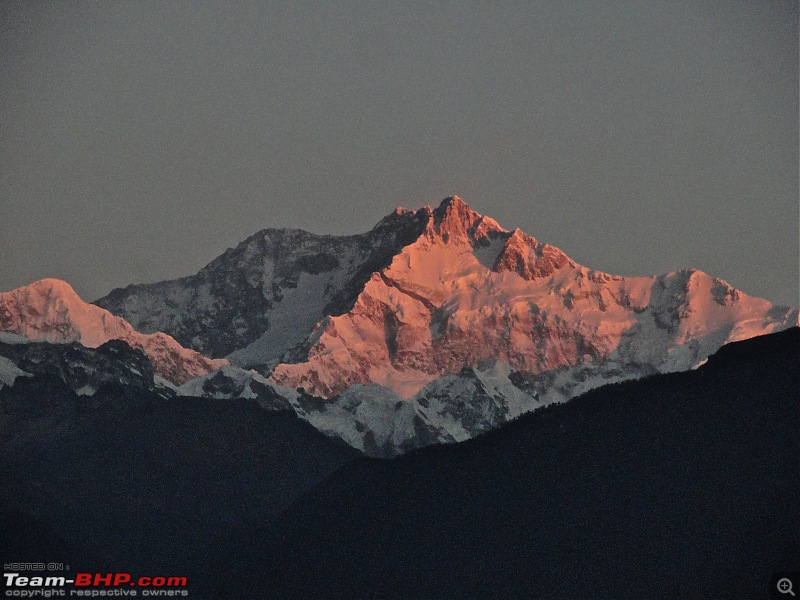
(60, 580)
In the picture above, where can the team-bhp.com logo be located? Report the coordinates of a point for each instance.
(94, 585)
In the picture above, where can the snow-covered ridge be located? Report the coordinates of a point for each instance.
(428, 292)
(50, 310)
(374, 419)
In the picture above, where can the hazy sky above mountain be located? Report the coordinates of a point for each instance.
(140, 140)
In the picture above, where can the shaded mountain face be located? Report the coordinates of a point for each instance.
(427, 293)
(50, 311)
(262, 298)
(680, 485)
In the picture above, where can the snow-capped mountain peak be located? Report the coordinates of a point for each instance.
(414, 306)
(50, 310)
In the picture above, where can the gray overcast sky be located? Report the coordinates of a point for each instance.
(139, 140)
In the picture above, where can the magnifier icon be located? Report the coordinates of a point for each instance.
(785, 586)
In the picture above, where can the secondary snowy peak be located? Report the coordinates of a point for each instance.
(528, 258)
(262, 298)
(50, 310)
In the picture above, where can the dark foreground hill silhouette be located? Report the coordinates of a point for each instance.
(678, 486)
(126, 481)
(681, 485)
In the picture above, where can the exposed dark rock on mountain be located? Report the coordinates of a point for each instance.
(85, 370)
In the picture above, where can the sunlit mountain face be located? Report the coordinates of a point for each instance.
(435, 326)
(49, 310)
(467, 291)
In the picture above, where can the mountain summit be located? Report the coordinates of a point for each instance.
(454, 221)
